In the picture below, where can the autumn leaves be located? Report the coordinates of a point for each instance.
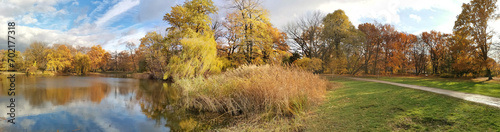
(375, 48)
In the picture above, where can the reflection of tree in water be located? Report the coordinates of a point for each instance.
(161, 102)
(60, 96)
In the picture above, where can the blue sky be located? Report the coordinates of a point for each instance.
(112, 23)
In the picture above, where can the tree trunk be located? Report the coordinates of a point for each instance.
(488, 72)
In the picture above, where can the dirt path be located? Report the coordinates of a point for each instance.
(491, 101)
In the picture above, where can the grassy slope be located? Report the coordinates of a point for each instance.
(491, 88)
(369, 106)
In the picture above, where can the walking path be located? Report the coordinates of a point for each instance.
(487, 100)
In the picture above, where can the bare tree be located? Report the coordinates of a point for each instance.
(306, 34)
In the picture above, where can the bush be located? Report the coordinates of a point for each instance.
(269, 89)
(446, 75)
(309, 64)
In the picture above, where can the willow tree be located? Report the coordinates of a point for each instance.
(191, 40)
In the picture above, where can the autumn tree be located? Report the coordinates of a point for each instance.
(406, 43)
(131, 47)
(58, 58)
(81, 63)
(191, 40)
(338, 34)
(156, 53)
(337, 27)
(5, 61)
(252, 20)
(35, 53)
(372, 47)
(97, 60)
(233, 36)
(437, 44)
(124, 61)
(475, 19)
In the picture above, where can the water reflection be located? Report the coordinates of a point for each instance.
(71, 103)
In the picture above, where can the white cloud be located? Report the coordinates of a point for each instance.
(116, 10)
(28, 19)
(75, 3)
(415, 17)
(284, 11)
(154, 9)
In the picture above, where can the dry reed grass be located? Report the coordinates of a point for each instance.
(267, 90)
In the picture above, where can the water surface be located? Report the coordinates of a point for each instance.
(75, 103)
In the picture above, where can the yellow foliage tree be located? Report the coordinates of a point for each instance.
(97, 57)
(81, 63)
(191, 41)
(58, 58)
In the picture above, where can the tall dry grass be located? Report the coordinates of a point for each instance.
(268, 89)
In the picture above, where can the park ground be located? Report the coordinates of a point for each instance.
(354, 105)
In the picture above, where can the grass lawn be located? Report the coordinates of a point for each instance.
(370, 106)
(488, 88)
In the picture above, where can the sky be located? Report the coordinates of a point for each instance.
(113, 23)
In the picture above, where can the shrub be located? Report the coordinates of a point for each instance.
(309, 64)
(446, 75)
(269, 89)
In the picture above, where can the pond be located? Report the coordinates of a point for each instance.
(91, 103)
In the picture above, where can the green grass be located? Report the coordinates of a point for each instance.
(370, 106)
(488, 88)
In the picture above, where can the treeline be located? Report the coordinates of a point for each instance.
(373, 48)
(197, 45)
(39, 58)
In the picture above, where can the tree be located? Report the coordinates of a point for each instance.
(192, 17)
(198, 57)
(252, 20)
(306, 33)
(338, 33)
(191, 39)
(336, 28)
(97, 60)
(124, 61)
(36, 53)
(474, 20)
(234, 38)
(5, 61)
(371, 47)
(279, 39)
(131, 47)
(81, 63)
(156, 53)
(58, 58)
(437, 43)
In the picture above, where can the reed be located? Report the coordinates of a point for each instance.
(269, 90)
